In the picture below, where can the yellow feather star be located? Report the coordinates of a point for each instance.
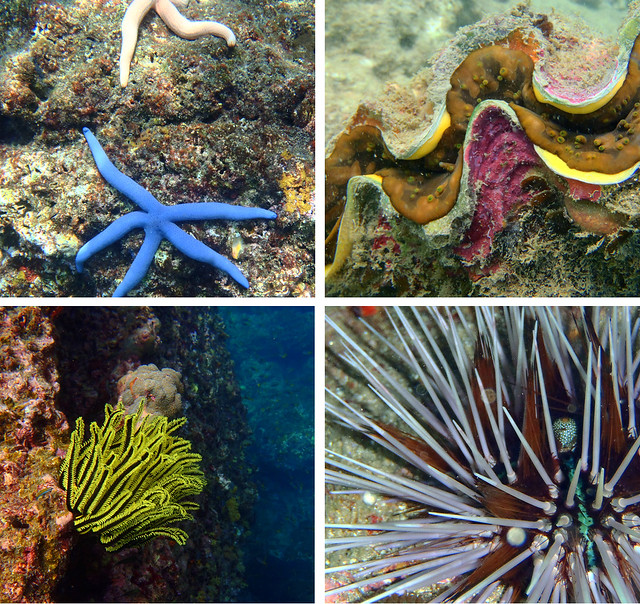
(126, 482)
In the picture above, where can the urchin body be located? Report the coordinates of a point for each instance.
(522, 453)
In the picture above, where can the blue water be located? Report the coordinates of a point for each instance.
(272, 348)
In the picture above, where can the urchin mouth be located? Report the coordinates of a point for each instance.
(538, 452)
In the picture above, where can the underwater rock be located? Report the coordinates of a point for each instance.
(424, 169)
(95, 346)
(35, 535)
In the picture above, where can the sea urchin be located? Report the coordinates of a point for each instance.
(516, 435)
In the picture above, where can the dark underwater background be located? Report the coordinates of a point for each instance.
(272, 348)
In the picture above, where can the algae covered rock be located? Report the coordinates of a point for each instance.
(34, 522)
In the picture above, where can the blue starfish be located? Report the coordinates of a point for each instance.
(158, 220)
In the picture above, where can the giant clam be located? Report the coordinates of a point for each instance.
(446, 185)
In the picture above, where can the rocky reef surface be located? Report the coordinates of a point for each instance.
(198, 121)
(35, 525)
(59, 363)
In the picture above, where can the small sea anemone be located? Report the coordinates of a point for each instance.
(505, 442)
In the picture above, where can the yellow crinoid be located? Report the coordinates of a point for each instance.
(127, 481)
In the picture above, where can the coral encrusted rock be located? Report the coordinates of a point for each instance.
(160, 388)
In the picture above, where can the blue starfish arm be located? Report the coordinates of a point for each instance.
(141, 263)
(117, 179)
(197, 250)
(214, 211)
(116, 230)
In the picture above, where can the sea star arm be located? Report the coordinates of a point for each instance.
(116, 230)
(191, 30)
(117, 179)
(130, 24)
(214, 211)
(141, 263)
(197, 250)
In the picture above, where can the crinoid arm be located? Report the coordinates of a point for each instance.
(127, 481)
